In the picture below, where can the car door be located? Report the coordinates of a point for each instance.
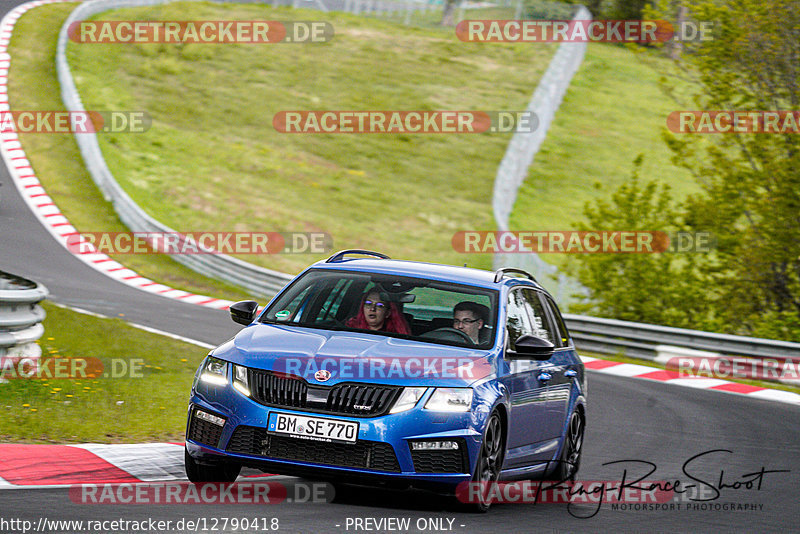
(565, 364)
(558, 367)
(527, 427)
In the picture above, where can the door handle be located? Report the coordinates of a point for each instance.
(544, 377)
(570, 373)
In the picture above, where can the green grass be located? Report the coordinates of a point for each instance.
(213, 161)
(613, 111)
(656, 365)
(110, 409)
(58, 164)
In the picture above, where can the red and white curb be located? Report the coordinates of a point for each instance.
(43, 206)
(61, 465)
(674, 378)
(54, 466)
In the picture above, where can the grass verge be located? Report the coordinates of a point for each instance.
(33, 85)
(612, 112)
(143, 396)
(213, 161)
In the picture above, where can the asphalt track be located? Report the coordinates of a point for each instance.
(629, 420)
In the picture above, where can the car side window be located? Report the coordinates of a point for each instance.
(518, 322)
(562, 327)
(542, 327)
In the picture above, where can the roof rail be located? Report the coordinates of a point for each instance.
(499, 273)
(339, 256)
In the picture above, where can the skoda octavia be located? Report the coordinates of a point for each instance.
(399, 373)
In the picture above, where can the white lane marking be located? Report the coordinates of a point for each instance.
(149, 462)
(139, 326)
(173, 336)
(777, 395)
(700, 383)
(628, 369)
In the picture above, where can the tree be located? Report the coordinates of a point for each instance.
(660, 288)
(749, 182)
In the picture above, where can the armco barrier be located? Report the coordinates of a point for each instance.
(520, 154)
(261, 281)
(20, 316)
(659, 343)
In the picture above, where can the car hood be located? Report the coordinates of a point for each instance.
(355, 356)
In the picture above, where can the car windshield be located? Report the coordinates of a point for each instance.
(411, 308)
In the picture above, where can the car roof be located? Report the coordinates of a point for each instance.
(418, 269)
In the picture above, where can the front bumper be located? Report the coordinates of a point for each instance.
(382, 454)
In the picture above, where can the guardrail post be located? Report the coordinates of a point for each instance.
(20, 318)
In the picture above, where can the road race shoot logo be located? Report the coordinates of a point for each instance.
(200, 31)
(714, 122)
(404, 122)
(581, 242)
(199, 243)
(74, 122)
(580, 31)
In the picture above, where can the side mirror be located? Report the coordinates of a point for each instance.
(536, 347)
(243, 312)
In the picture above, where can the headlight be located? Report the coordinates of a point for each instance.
(240, 381)
(450, 400)
(215, 371)
(408, 399)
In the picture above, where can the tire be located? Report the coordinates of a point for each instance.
(197, 472)
(570, 460)
(490, 461)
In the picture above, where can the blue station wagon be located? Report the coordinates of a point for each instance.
(378, 371)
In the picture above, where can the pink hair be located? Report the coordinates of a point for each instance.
(393, 322)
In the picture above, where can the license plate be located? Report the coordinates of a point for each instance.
(313, 428)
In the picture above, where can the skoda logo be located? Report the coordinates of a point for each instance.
(322, 375)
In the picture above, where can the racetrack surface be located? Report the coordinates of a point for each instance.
(632, 420)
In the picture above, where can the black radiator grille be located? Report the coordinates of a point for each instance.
(359, 400)
(362, 454)
(203, 432)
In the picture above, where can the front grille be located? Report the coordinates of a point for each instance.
(441, 461)
(203, 431)
(360, 400)
(362, 454)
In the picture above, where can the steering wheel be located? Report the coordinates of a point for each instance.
(448, 333)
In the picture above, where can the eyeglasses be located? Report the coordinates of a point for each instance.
(377, 304)
(465, 321)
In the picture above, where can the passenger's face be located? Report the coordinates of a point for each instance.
(375, 311)
(466, 321)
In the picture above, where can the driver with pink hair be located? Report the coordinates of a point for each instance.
(376, 312)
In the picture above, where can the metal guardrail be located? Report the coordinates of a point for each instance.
(520, 154)
(611, 336)
(20, 316)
